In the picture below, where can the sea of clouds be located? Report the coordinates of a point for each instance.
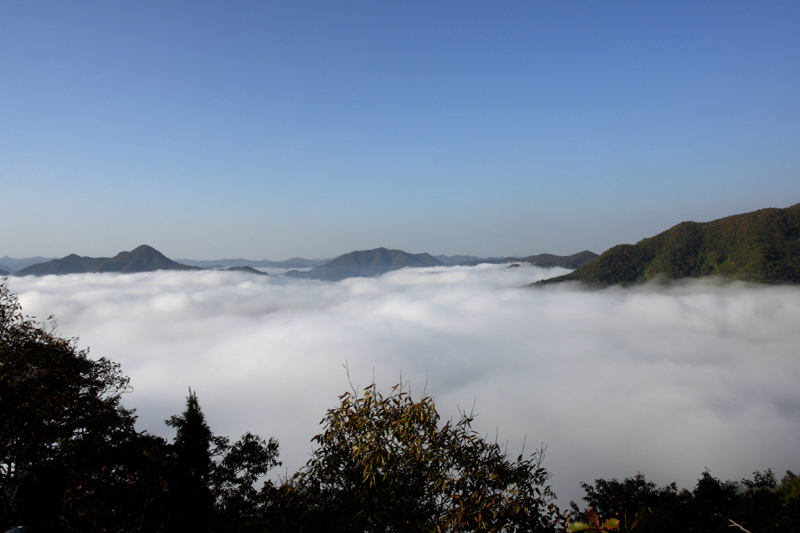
(667, 381)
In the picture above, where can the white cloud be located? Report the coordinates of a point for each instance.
(666, 381)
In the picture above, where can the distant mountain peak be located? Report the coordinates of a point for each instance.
(367, 263)
(143, 258)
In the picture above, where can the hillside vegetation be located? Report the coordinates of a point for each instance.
(762, 246)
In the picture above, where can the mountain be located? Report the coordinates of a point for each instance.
(457, 259)
(247, 269)
(367, 263)
(544, 260)
(3, 271)
(294, 262)
(12, 265)
(142, 259)
(762, 246)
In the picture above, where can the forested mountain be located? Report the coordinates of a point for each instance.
(544, 260)
(366, 263)
(142, 259)
(762, 246)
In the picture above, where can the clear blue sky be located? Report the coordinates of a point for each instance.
(279, 129)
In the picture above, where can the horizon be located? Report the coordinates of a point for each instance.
(284, 260)
(306, 129)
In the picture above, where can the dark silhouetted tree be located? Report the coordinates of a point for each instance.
(58, 405)
(191, 499)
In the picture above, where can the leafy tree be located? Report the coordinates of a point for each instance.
(385, 463)
(191, 500)
(711, 503)
(57, 404)
(211, 482)
(238, 505)
(789, 493)
(637, 504)
(757, 505)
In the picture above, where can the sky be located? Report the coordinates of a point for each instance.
(270, 130)
(666, 381)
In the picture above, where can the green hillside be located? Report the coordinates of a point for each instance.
(762, 246)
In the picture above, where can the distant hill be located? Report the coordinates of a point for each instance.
(762, 246)
(3, 271)
(295, 262)
(544, 260)
(142, 259)
(12, 265)
(366, 263)
(457, 259)
(247, 269)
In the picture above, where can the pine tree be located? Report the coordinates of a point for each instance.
(190, 487)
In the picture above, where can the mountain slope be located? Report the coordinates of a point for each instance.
(246, 269)
(367, 263)
(12, 265)
(295, 262)
(544, 260)
(762, 246)
(142, 259)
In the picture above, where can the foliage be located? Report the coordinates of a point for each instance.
(761, 246)
(238, 506)
(57, 404)
(634, 501)
(789, 493)
(593, 523)
(754, 505)
(211, 482)
(190, 477)
(384, 463)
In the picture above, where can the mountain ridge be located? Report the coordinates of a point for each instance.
(294, 262)
(366, 263)
(544, 260)
(760, 246)
(143, 258)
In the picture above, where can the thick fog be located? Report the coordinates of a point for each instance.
(665, 381)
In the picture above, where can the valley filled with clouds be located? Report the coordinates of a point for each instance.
(663, 380)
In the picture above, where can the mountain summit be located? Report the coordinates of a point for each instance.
(367, 263)
(141, 259)
(762, 246)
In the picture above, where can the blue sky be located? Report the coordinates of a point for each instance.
(275, 129)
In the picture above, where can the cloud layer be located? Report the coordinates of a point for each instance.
(666, 381)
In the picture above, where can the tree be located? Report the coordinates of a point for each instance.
(238, 505)
(58, 405)
(385, 463)
(191, 499)
(638, 504)
(211, 484)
